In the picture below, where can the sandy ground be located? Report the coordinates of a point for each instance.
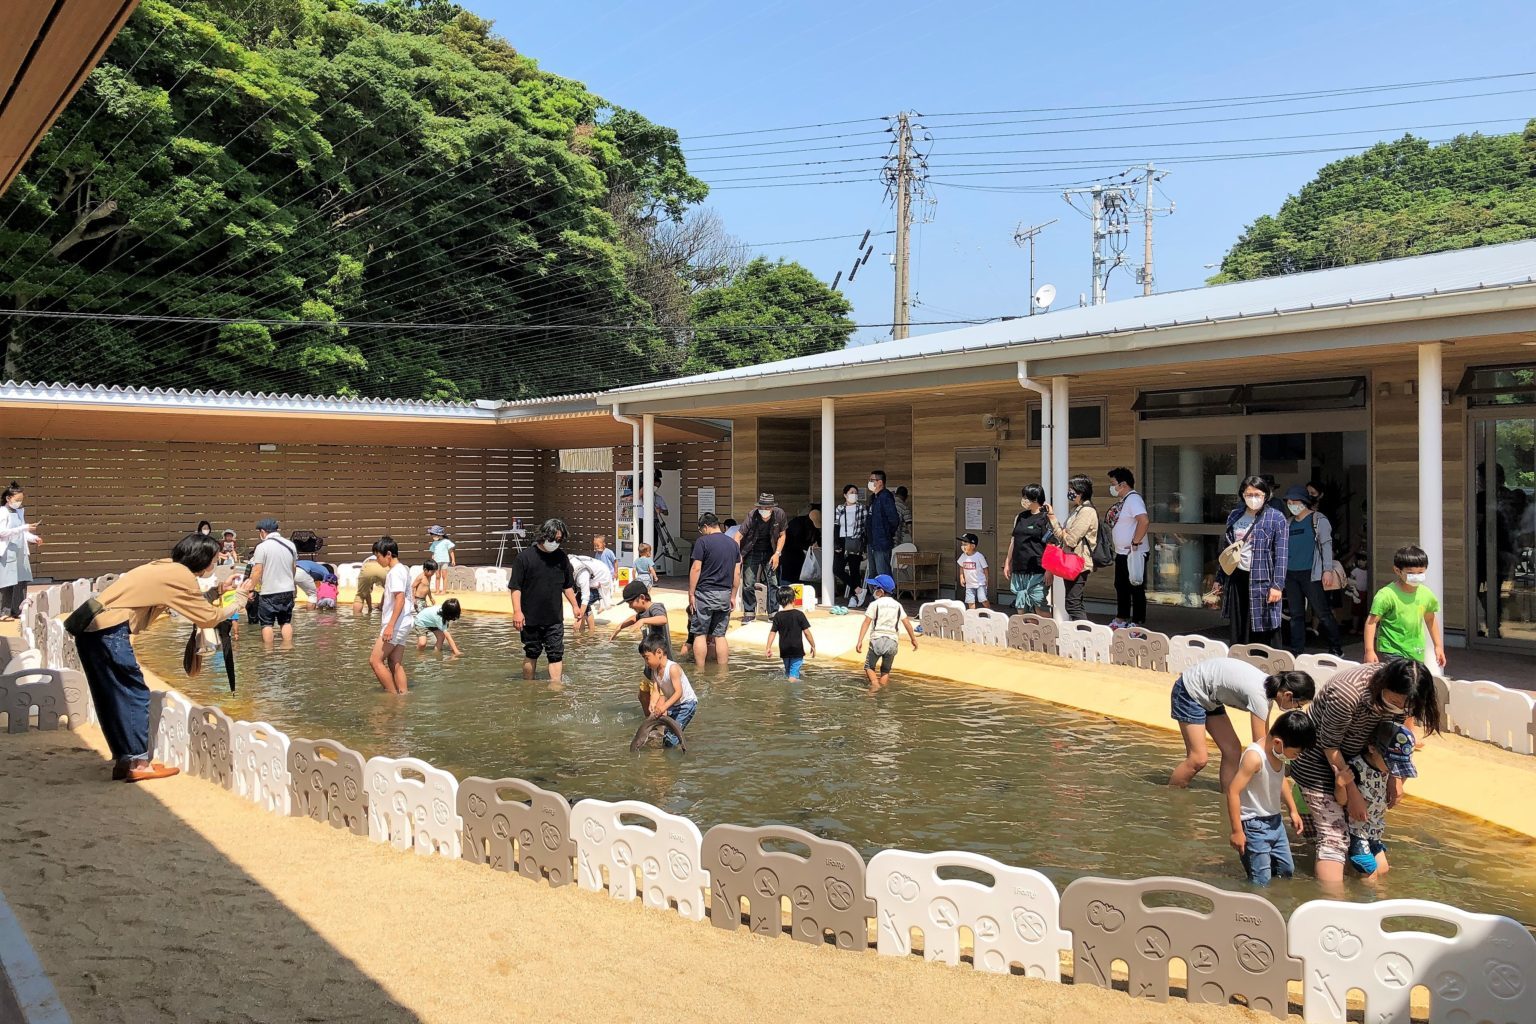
(175, 901)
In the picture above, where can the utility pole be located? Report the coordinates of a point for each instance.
(1108, 212)
(1149, 210)
(1026, 236)
(901, 316)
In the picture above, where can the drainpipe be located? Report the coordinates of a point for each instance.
(634, 465)
(1047, 427)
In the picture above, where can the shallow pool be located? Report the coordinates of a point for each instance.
(926, 765)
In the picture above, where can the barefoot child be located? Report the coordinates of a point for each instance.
(973, 572)
(650, 615)
(794, 631)
(645, 566)
(441, 549)
(421, 586)
(600, 550)
(670, 692)
(883, 619)
(1200, 699)
(432, 623)
(1390, 756)
(1260, 798)
(389, 648)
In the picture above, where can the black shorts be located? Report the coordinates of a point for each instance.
(546, 640)
(274, 609)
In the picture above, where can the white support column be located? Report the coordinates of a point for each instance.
(1431, 467)
(829, 500)
(647, 483)
(1060, 393)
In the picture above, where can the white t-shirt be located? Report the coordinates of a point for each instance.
(278, 559)
(596, 572)
(1131, 506)
(973, 569)
(884, 615)
(1240, 531)
(397, 591)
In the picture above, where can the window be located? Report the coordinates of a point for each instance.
(586, 460)
(1087, 422)
(1252, 399)
(975, 474)
(1499, 385)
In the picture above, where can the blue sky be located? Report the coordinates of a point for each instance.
(706, 68)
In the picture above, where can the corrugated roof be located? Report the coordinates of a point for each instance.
(1466, 270)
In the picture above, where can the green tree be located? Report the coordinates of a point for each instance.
(806, 315)
(1398, 198)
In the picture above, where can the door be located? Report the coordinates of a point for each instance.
(1503, 532)
(1190, 487)
(976, 504)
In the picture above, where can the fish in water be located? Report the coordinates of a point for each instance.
(653, 733)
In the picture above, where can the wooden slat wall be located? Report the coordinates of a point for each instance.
(103, 505)
(783, 463)
(867, 442)
(744, 445)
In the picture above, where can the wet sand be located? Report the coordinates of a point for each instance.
(176, 901)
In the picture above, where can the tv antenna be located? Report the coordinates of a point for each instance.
(1026, 236)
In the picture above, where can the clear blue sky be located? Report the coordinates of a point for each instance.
(709, 67)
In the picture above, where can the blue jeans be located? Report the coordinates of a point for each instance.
(682, 714)
(879, 563)
(753, 572)
(117, 687)
(1269, 851)
(792, 667)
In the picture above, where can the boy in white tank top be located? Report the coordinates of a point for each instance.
(1259, 799)
(670, 692)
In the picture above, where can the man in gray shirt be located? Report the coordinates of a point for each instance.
(272, 579)
(1201, 696)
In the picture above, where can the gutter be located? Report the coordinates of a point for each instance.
(634, 467)
(1230, 328)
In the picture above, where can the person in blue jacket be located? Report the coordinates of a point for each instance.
(884, 528)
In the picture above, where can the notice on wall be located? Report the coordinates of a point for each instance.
(706, 500)
(973, 513)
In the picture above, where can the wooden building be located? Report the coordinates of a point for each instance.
(1407, 388)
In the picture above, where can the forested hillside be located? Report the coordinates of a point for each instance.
(1397, 199)
(386, 198)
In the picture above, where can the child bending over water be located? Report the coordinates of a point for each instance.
(666, 690)
(432, 623)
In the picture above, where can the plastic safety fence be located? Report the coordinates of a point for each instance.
(636, 849)
(412, 806)
(327, 781)
(55, 698)
(513, 825)
(209, 755)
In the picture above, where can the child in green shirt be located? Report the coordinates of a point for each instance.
(1400, 612)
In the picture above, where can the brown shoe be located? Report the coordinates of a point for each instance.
(148, 772)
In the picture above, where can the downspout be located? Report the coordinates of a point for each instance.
(1047, 426)
(634, 464)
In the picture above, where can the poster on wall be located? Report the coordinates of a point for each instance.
(973, 513)
(706, 500)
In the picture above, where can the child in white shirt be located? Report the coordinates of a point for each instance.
(973, 572)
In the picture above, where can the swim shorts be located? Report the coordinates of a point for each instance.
(711, 613)
(546, 640)
(274, 609)
(882, 653)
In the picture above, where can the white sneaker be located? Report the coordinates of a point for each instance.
(858, 598)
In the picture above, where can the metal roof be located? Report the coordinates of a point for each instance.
(1342, 288)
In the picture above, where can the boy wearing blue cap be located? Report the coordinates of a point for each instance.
(883, 621)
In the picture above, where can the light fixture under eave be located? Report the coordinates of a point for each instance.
(266, 447)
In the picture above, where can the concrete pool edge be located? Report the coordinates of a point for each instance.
(1470, 777)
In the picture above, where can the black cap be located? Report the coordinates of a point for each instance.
(968, 538)
(636, 589)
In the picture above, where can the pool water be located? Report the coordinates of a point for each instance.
(925, 765)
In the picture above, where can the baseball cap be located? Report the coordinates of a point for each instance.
(636, 589)
(882, 581)
(968, 538)
(268, 524)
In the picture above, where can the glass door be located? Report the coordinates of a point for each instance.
(1191, 486)
(1504, 531)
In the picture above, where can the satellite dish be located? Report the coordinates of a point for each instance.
(1044, 296)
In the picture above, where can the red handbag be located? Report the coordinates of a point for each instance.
(1058, 561)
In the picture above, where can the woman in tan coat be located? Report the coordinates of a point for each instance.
(1078, 534)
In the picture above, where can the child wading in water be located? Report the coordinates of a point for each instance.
(882, 620)
(433, 625)
(421, 586)
(389, 648)
(650, 615)
(1259, 799)
(441, 549)
(1401, 611)
(666, 690)
(794, 631)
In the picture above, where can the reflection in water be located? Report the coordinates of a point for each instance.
(925, 766)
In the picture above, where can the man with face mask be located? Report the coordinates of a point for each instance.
(884, 525)
(762, 547)
(541, 577)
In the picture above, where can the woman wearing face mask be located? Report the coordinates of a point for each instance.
(205, 529)
(1079, 534)
(850, 528)
(1309, 552)
(1253, 590)
(15, 560)
(1026, 576)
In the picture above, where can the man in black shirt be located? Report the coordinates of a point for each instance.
(541, 576)
(762, 545)
(713, 577)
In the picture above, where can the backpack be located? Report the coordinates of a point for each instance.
(1104, 547)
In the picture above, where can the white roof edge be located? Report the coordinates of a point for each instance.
(1006, 341)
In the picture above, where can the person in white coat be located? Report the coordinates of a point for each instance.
(16, 536)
